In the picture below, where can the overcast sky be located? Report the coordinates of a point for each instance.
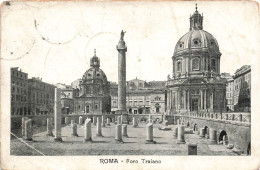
(55, 40)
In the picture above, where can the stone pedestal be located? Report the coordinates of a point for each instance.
(181, 137)
(149, 134)
(103, 122)
(28, 130)
(67, 121)
(202, 132)
(23, 125)
(118, 136)
(99, 128)
(108, 121)
(94, 120)
(192, 149)
(124, 130)
(57, 115)
(80, 120)
(213, 136)
(175, 133)
(74, 129)
(134, 122)
(88, 130)
(49, 127)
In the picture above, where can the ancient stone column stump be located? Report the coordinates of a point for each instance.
(181, 133)
(88, 137)
(74, 130)
(118, 134)
(149, 134)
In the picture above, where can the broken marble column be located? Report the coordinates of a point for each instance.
(71, 122)
(28, 130)
(118, 136)
(150, 119)
(80, 120)
(94, 120)
(67, 120)
(49, 127)
(175, 133)
(88, 130)
(74, 129)
(202, 132)
(149, 133)
(108, 121)
(134, 122)
(57, 114)
(124, 130)
(103, 122)
(23, 125)
(225, 140)
(181, 137)
(213, 136)
(99, 128)
(119, 120)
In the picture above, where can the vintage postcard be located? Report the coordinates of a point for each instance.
(130, 85)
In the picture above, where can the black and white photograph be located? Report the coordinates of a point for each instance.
(134, 84)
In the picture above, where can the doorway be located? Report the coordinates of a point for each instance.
(194, 104)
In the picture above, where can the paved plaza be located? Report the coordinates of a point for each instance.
(134, 144)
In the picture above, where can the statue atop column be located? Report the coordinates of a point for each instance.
(122, 34)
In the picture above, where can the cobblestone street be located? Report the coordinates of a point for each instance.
(134, 144)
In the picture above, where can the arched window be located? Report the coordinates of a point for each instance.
(179, 66)
(96, 107)
(213, 64)
(195, 64)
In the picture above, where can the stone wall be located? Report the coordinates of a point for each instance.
(239, 133)
(16, 122)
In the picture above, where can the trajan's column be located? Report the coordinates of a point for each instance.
(121, 48)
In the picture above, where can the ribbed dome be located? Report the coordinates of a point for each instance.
(94, 73)
(196, 39)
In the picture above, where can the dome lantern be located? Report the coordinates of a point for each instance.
(196, 21)
(94, 61)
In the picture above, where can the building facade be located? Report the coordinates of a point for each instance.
(41, 97)
(93, 96)
(141, 97)
(196, 84)
(242, 89)
(230, 95)
(19, 92)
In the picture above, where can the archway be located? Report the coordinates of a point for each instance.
(188, 124)
(221, 135)
(195, 127)
(206, 130)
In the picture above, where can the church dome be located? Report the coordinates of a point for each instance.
(196, 40)
(196, 53)
(94, 72)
